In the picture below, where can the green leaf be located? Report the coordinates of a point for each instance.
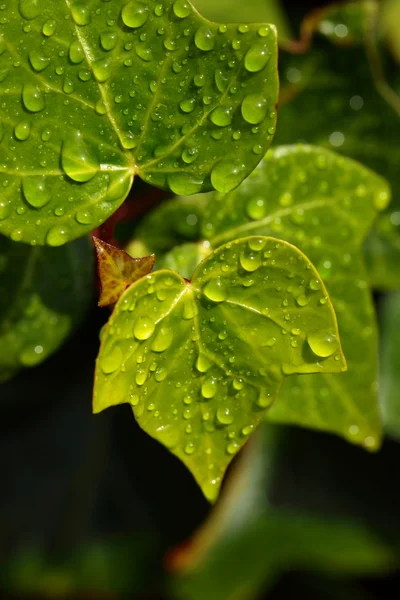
(202, 361)
(96, 93)
(390, 364)
(335, 81)
(275, 517)
(324, 204)
(44, 293)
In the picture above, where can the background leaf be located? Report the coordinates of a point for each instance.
(390, 363)
(324, 204)
(96, 93)
(334, 80)
(44, 293)
(201, 361)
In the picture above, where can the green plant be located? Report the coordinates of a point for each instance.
(260, 310)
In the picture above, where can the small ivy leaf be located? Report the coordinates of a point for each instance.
(325, 204)
(357, 121)
(45, 293)
(94, 94)
(201, 362)
(118, 270)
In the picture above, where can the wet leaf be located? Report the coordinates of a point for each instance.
(324, 204)
(94, 94)
(201, 362)
(334, 79)
(118, 270)
(44, 293)
(390, 364)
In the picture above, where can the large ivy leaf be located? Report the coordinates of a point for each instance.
(324, 204)
(95, 93)
(280, 514)
(390, 364)
(44, 292)
(202, 361)
(334, 80)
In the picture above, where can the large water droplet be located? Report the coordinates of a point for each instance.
(322, 343)
(102, 70)
(250, 261)
(254, 108)
(181, 9)
(80, 13)
(30, 9)
(38, 61)
(184, 184)
(57, 236)
(22, 130)
(215, 290)
(108, 40)
(224, 416)
(49, 28)
(134, 14)
(221, 116)
(111, 361)
(163, 339)
(226, 175)
(256, 58)
(209, 388)
(76, 53)
(143, 328)
(204, 38)
(35, 191)
(32, 98)
(77, 161)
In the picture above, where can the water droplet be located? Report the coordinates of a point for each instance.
(143, 328)
(226, 175)
(187, 106)
(199, 80)
(140, 379)
(224, 416)
(303, 300)
(102, 70)
(57, 236)
(22, 130)
(108, 40)
(221, 116)
(189, 448)
(134, 400)
(38, 61)
(203, 364)
(215, 290)
(209, 388)
(315, 285)
(256, 209)
(83, 217)
(232, 448)
(77, 161)
(111, 361)
(184, 184)
(250, 261)
(35, 191)
(32, 98)
(134, 14)
(256, 58)
(30, 9)
(4, 210)
(80, 13)
(322, 343)
(254, 109)
(181, 9)
(49, 28)
(76, 53)
(204, 38)
(68, 86)
(163, 339)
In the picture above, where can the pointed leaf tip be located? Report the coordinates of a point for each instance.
(118, 270)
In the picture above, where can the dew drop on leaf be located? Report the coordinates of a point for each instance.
(250, 261)
(322, 343)
(143, 328)
(163, 339)
(181, 9)
(32, 98)
(22, 130)
(256, 58)
(111, 361)
(35, 191)
(80, 13)
(209, 388)
(226, 175)
(78, 163)
(221, 116)
(57, 236)
(254, 109)
(224, 416)
(215, 290)
(30, 9)
(204, 38)
(134, 14)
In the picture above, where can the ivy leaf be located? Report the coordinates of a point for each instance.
(96, 93)
(335, 80)
(390, 364)
(324, 204)
(45, 292)
(202, 361)
(118, 270)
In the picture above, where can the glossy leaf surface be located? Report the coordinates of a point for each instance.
(324, 204)
(95, 93)
(390, 364)
(202, 361)
(336, 80)
(118, 270)
(44, 292)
